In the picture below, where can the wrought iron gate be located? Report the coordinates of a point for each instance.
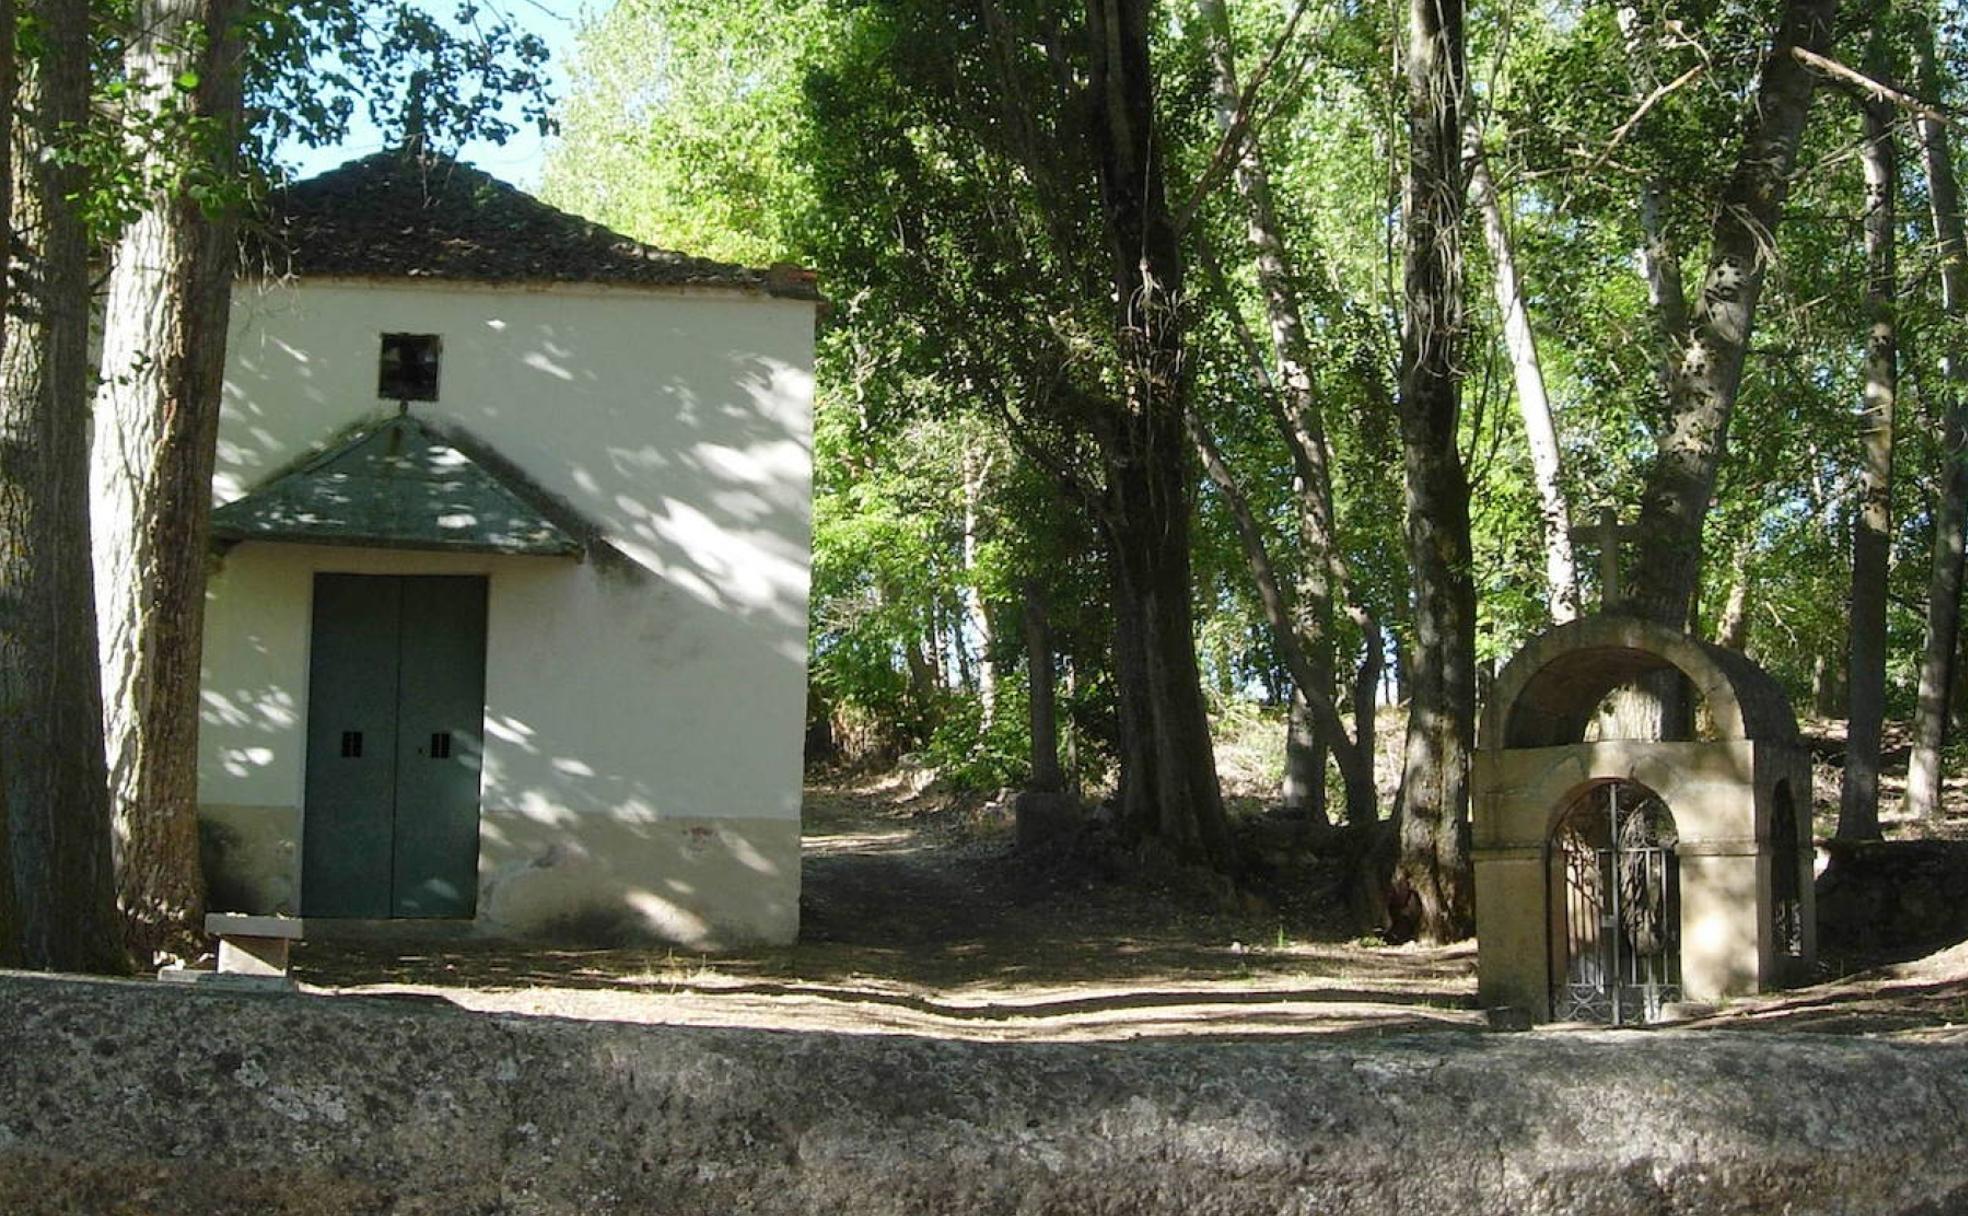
(1616, 886)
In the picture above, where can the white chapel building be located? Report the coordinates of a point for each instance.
(507, 620)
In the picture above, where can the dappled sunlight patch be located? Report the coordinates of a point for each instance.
(860, 842)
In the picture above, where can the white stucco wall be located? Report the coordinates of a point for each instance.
(643, 724)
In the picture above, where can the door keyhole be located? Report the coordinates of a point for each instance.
(351, 745)
(440, 745)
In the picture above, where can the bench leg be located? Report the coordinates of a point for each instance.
(253, 956)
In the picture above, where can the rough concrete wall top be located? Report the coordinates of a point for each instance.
(137, 1097)
(1545, 695)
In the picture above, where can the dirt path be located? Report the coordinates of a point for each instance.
(918, 917)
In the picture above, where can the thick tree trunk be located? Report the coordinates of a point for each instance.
(1168, 770)
(52, 767)
(1044, 706)
(1858, 807)
(157, 416)
(1146, 509)
(10, 955)
(1930, 715)
(1708, 352)
(1303, 790)
(1434, 807)
(1540, 431)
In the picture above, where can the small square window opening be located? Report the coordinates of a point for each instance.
(407, 370)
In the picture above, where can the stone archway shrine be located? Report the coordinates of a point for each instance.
(1618, 876)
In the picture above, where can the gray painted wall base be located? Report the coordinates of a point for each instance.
(136, 1096)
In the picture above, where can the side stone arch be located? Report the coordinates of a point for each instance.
(1549, 693)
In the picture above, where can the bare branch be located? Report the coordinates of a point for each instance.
(1651, 100)
(1230, 149)
(1873, 86)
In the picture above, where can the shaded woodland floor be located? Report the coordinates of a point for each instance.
(919, 916)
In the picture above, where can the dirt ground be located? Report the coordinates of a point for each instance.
(920, 917)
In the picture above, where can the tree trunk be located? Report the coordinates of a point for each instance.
(1707, 357)
(1146, 501)
(51, 719)
(10, 955)
(1038, 672)
(1540, 432)
(1366, 704)
(1304, 786)
(1827, 692)
(1930, 715)
(157, 417)
(1732, 631)
(1434, 805)
(976, 470)
(1660, 261)
(1355, 765)
(1296, 410)
(1872, 542)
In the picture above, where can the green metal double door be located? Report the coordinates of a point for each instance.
(396, 714)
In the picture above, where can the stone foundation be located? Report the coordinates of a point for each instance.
(128, 1097)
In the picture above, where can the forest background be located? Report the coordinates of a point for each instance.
(1700, 270)
(1180, 357)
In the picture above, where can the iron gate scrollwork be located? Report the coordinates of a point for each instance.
(1618, 892)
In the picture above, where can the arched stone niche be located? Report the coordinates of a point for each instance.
(1735, 778)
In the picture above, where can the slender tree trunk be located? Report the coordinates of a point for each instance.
(1296, 409)
(50, 702)
(157, 416)
(1147, 507)
(1660, 261)
(1540, 432)
(961, 675)
(1858, 808)
(1732, 631)
(976, 470)
(1708, 352)
(1038, 672)
(1930, 717)
(1827, 692)
(1434, 807)
(1366, 703)
(1355, 766)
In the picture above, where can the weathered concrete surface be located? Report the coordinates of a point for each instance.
(132, 1097)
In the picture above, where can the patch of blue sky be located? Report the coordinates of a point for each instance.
(522, 157)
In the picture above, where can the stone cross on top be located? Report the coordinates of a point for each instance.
(1606, 535)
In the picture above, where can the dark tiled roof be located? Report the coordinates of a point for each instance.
(397, 213)
(399, 485)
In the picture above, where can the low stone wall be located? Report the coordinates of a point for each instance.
(1893, 893)
(128, 1097)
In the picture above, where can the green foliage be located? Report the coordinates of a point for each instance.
(685, 121)
(922, 157)
(313, 63)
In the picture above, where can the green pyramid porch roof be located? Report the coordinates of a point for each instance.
(399, 485)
